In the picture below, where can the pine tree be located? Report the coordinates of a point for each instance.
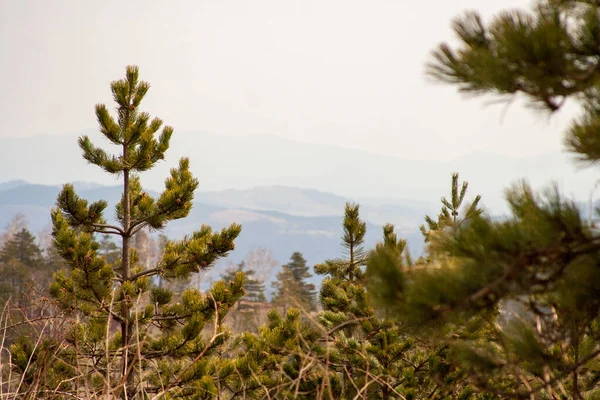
(291, 286)
(109, 249)
(253, 287)
(544, 256)
(390, 268)
(158, 346)
(16, 224)
(449, 217)
(21, 265)
(176, 285)
(250, 312)
(396, 287)
(22, 247)
(284, 360)
(376, 358)
(365, 346)
(286, 291)
(342, 292)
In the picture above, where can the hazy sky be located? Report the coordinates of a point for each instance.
(339, 72)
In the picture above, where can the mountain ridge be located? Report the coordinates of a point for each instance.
(285, 228)
(250, 161)
(316, 236)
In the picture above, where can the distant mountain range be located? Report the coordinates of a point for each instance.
(245, 162)
(275, 218)
(270, 175)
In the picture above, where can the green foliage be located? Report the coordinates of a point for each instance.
(22, 265)
(109, 249)
(281, 361)
(291, 286)
(526, 266)
(254, 288)
(386, 275)
(22, 248)
(449, 218)
(549, 54)
(342, 292)
(532, 276)
(350, 351)
(545, 258)
(497, 309)
(126, 337)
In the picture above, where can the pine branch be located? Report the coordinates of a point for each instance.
(115, 229)
(214, 337)
(152, 271)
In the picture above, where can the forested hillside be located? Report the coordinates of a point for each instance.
(276, 219)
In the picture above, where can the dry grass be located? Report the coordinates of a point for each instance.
(32, 381)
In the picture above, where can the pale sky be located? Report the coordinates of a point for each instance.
(343, 72)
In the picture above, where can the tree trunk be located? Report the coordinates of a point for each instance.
(385, 393)
(125, 327)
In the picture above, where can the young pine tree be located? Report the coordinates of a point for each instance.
(253, 287)
(128, 339)
(371, 356)
(449, 218)
(291, 286)
(407, 295)
(291, 357)
(389, 272)
(342, 292)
